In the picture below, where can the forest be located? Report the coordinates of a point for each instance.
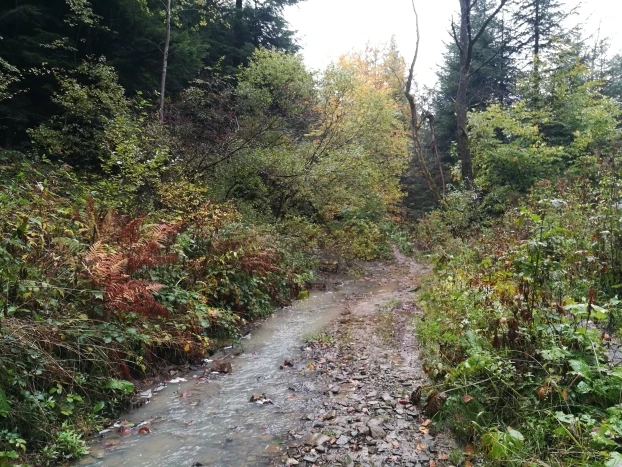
(172, 170)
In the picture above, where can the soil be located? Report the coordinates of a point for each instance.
(366, 372)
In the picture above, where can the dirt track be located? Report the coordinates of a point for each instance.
(367, 366)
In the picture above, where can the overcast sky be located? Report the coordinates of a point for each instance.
(330, 28)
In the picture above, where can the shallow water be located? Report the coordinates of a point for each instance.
(212, 421)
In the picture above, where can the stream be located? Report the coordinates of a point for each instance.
(210, 421)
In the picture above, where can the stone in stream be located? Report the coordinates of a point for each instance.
(221, 366)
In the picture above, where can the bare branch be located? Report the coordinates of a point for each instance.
(488, 20)
(454, 34)
(411, 73)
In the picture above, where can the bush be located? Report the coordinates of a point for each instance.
(519, 324)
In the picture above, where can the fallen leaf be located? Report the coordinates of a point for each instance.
(144, 430)
(187, 348)
(565, 394)
(443, 457)
(467, 464)
(125, 430)
(421, 447)
(469, 450)
(426, 422)
(432, 463)
(311, 366)
(466, 399)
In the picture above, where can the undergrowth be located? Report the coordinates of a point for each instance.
(522, 323)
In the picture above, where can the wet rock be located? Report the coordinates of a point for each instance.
(221, 366)
(328, 266)
(316, 439)
(375, 429)
(310, 458)
(342, 440)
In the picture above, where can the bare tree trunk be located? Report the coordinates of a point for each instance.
(437, 154)
(414, 120)
(167, 43)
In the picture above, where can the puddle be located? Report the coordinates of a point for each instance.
(213, 422)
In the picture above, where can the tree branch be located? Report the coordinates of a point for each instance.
(488, 20)
(411, 73)
(454, 34)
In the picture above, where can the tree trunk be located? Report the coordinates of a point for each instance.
(462, 104)
(414, 119)
(418, 150)
(238, 4)
(536, 54)
(167, 43)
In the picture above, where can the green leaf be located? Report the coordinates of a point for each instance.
(581, 368)
(515, 434)
(120, 385)
(99, 407)
(5, 408)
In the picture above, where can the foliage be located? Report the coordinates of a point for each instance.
(91, 298)
(570, 122)
(521, 327)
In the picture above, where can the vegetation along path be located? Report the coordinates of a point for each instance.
(173, 173)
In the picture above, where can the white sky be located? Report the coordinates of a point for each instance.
(330, 28)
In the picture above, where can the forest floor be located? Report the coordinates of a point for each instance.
(368, 368)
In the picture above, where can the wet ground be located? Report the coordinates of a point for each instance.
(371, 413)
(208, 419)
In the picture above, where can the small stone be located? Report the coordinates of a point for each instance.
(330, 415)
(316, 439)
(343, 440)
(376, 430)
(292, 461)
(310, 458)
(221, 366)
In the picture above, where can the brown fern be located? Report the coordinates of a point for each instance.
(132, 249)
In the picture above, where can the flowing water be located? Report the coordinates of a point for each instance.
(210, 420)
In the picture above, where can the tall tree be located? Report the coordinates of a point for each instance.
(416, 121)
(538, 25)
(493, 76)
(466, 41)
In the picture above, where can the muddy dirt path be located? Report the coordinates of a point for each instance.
(368, 367)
